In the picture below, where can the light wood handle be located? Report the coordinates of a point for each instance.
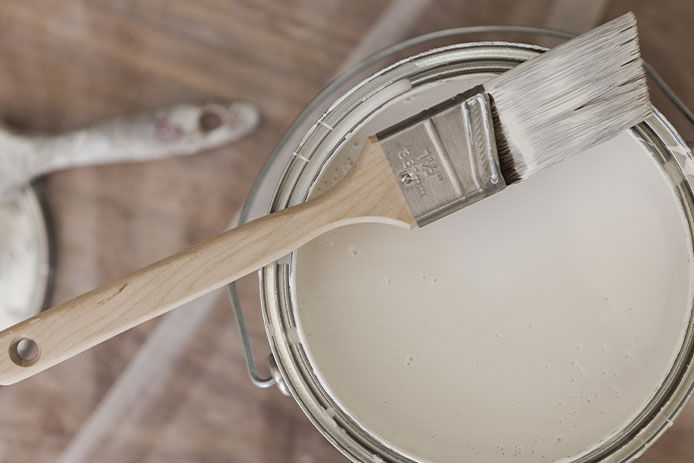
(368, 193)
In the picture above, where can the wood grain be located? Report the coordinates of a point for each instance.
(60, 72)
(369, 193)
(68, 63)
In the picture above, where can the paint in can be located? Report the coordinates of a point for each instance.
(327, 377)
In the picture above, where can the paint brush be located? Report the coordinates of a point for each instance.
(417, 171)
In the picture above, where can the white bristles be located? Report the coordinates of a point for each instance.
(569, 99)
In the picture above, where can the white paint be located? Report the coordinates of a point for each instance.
(146, 136)
(23, 257)
(526, 328)
(142, 137)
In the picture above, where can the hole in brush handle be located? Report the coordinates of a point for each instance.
(24, 352)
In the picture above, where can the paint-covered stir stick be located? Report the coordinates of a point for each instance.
(177, 130)
(460, 151)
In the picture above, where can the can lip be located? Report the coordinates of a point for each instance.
(345, 434)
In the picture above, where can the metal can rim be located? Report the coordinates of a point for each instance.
(345, 434)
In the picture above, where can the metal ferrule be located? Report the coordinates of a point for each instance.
(445, 157)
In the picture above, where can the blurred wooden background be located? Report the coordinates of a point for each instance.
(67, 63)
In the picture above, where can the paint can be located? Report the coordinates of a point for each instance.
(320, 159)
(26, 256)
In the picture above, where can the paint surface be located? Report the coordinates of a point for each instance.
(527, 327)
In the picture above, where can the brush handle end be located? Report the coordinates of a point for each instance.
(369, 193)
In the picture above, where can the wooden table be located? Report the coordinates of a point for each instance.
(68, 63)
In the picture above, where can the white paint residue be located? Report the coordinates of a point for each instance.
(22, 258)
(526, 328)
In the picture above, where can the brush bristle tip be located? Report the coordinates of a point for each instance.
(569, 99)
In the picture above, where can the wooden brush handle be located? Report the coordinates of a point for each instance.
(368, 193)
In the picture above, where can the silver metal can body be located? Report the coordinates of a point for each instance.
(299, 181)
